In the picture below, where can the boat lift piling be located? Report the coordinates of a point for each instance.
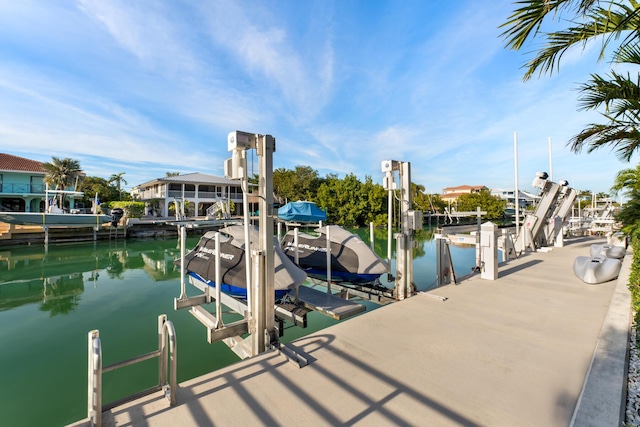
(410, 221)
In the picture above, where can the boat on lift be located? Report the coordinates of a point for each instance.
(596, 269)
(200, 263)
(352, 260)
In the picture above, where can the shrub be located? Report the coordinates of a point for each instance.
(131, 209)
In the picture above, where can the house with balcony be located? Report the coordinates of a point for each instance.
(22, 187)
(161, 195)
(524, 198)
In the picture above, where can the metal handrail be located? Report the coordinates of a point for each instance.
(167, 358)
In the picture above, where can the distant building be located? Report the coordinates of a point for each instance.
(451, 194)
(201, 189)
(22, 187)
(524, 198)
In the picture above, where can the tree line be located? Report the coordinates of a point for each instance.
(351, 202)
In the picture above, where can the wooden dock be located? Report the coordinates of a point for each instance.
(537, 347)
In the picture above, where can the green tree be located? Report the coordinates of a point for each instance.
(436, 203)
(611, 21)
(62, 174)
(493, 205)
(302, 183)
(118, 180)
(92, 185)
(351, 202)
(627, 181)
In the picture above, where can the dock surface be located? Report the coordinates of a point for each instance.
(537, 347)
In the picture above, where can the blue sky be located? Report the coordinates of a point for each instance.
(147, 87)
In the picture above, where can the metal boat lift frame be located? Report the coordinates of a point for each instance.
(260, 311)
(410, 221)
(534, 224)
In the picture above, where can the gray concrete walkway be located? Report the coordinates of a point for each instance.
(537, 347)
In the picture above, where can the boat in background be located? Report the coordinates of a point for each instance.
(201, 267)
(44, 219)
(55, 216)
(301, 211)
(608, 251)
(352, 260)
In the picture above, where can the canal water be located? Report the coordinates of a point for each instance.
(50, 300)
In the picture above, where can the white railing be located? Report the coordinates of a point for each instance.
(168, 358)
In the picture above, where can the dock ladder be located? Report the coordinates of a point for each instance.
(166, 334)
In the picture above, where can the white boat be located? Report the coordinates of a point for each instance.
(596, 269)
(352, 260)
(54, 216)
(608, 251)
(54, 219)
(201, 267)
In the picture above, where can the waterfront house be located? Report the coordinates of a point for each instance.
(202, 190)
(524, 198)
(22, 187)
(451, 194)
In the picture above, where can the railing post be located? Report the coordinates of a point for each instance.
(162, 348)
(173, 362)
(168, 358)
(95, 379)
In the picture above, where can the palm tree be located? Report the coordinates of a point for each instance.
(611, 21)
(628, 181)
(118, 179)
(61, 174)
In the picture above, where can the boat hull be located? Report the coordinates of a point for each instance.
(596, 269)
(352, 260)
(608, 251)
(234, 291)
(201, 265)
(53, 219)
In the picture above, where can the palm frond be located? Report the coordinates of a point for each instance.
(624, 138)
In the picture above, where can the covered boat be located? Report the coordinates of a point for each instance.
(201, 266)
(596, 269)
(301, 211)
(352, 260)
(608, 251)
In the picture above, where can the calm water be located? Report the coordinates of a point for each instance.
(49, 301)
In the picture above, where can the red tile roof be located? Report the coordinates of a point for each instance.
(464, 187)
(10, 162)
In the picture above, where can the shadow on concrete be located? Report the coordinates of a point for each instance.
(321, 407)
(515, 268)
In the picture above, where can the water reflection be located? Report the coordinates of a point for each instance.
(56, 277)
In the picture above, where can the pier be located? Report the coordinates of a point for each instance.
(536, 347)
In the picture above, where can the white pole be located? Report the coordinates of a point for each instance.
(517, 191)
(183, 286)
(328, 260)
(296, 256)
(389, 226)
(550, 162)
(371, 236)
(219, 281)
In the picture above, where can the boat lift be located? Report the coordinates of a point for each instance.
(553, 234)
(534, 225)
(257, 332)
(410, 221)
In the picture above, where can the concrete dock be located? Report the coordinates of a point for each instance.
(537, 347)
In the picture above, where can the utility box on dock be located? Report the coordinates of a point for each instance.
(489, 251)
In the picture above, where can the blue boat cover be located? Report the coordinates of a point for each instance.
(302, 212)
